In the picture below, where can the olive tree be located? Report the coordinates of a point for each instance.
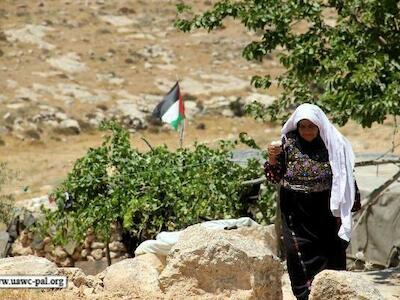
(351, 68)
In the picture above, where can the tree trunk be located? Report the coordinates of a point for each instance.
(108, 251)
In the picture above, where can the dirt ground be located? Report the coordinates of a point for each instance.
(40, 166)
(105, 47)
(127, 49)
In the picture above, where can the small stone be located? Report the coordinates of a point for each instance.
(37, 242)
(88, 291)
(48, 247)
(59, 252)
(89, 240)
(90, 258)
(24, 239)
(116, 237)
(50, 257)
(67, 262)
(61, 116)
(98, 245)
(97, 254)
(70, 247)
(87, 244)
(117, 247)
(84, 253)
(75, 275)
(69, 127)
(227, 113)
(40, 253)
(77, 254)
(17, 249)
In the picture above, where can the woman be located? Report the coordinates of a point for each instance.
(314, 168)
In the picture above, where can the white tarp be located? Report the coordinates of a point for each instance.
(376, 239)
(165, 240)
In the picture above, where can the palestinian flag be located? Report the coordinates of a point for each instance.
(170, 109)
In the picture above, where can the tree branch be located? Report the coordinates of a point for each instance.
(377, 162)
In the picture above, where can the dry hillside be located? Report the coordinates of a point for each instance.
(67, 65)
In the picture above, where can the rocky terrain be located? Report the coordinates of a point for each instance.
(69, 65)
(230, 264)
(66, 65)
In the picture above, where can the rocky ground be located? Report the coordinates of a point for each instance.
(230, 264)
(67, 65)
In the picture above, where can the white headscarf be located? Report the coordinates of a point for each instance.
(341, 159)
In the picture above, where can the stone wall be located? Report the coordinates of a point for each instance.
(27, 242)
(92, 248)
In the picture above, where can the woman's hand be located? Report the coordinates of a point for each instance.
(274, 149)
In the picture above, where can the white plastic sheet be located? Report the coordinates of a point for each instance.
(165, 240)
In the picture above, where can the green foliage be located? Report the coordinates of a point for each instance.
(267, 204)
(351, 69)
(6, 200)
(247, 140)
(148, 192)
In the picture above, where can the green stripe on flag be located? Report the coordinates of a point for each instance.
(177, 121)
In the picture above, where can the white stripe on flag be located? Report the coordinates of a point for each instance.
(172, 113)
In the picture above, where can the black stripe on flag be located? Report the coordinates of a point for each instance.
(168, 100)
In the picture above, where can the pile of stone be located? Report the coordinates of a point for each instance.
(92, 249)
(27, 242)
(203, 264)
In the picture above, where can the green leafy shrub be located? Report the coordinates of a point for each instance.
(345, 59)
(6, 200)
(148, 192)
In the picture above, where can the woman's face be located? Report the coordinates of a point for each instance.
(308, 130)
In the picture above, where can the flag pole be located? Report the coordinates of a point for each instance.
(182, 126)
(181, 130)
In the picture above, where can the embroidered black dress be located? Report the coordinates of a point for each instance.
(309, 228)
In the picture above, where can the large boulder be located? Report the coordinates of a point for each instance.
(137, 276)
(342, 285)
(213, 263)
(4, 244)
(27, 265)
(264, 234)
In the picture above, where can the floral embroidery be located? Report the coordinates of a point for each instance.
(273, 172)
(304, 171)
(318, 172)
